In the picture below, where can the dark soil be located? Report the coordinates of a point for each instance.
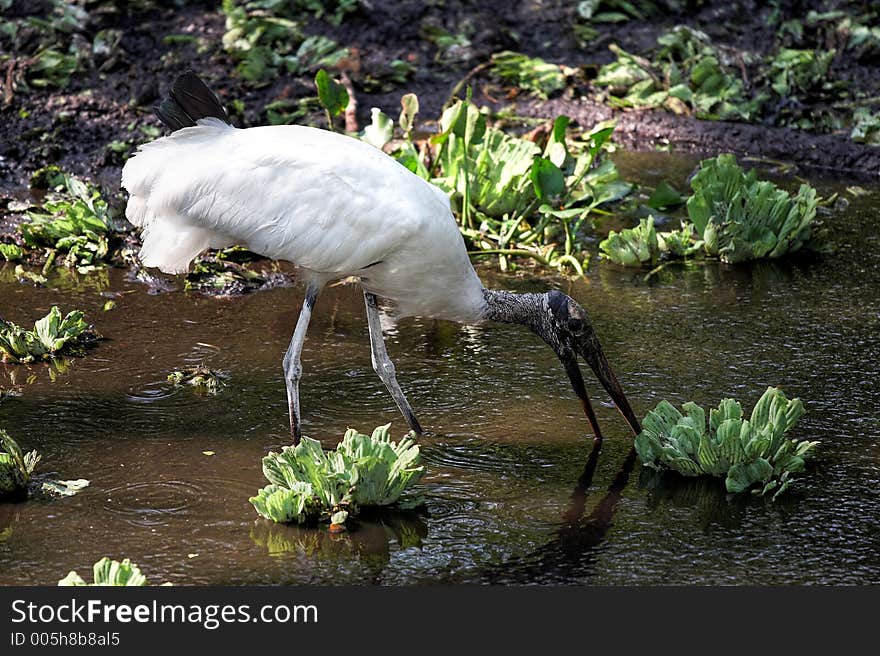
(114, 98)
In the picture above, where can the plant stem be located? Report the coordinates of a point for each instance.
(511, 251)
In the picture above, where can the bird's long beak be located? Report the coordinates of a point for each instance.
(589, 348)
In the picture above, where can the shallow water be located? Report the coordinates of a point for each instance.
(508, 446)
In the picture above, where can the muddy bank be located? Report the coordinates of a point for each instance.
(648, 129)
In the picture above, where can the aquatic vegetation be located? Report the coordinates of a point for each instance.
(733, 217)
(797, 71)
(514, 198)
(866, 128)
(748, 453)
(73, 223)
(688, 74)
(307, 485)
(215, 275)
(266, 40)
(742, 218)
(202, 379)
(48, 46)
(51, 337)
(11, 252)
(16, 467)
(107, 572)
(530, 74)
(332, 96)
(644, 246)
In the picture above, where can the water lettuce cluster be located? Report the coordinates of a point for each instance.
(307, 484)
(16, 467)
(733, 217)
(73, 222)
(107, 572)
(51, 337)
(748, 453)
(742, 218)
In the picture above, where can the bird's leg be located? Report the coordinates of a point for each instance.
(292, 364)
(382, 363)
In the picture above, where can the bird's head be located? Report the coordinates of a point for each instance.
(565, 326)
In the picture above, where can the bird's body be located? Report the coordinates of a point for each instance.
(330, 204)
(335, 207)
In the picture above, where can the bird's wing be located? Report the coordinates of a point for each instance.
(324, 201)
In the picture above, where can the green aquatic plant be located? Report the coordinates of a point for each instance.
(530, 74)
(644, 246)
(515, 198)
(266, 39)
(793, 71)
(687, 74)
(748, 453)
(215, 275)
(307, 485)
(51, 337)
(11, 252)
(866, 128)
(741, 218)
(203, 379)
(16, 467)
(73, 222)
(107, 572)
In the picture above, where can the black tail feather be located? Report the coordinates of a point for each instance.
(189, 100)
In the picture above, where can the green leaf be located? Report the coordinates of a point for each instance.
(664, 197)
(332, 95)
(547, 179)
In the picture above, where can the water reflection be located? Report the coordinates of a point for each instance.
(371, 540)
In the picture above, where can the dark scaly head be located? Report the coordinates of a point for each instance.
(568, 331)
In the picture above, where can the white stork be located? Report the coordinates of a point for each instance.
(335, 207)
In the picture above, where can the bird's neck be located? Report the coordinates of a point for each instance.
(509, 307)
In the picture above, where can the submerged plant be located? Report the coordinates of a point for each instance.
(742, 218)
(51, 337)
(16, 467)
(202, 379)
(748, 453)
(307, 485)
(107, 572)
(216, 275)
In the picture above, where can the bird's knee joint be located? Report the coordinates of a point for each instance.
(385, 369)
(292, 370)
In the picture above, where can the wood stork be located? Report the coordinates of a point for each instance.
(335, 207)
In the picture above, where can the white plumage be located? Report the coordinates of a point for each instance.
(336, 207)
(331, 204)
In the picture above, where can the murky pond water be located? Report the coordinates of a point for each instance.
(509, 499)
